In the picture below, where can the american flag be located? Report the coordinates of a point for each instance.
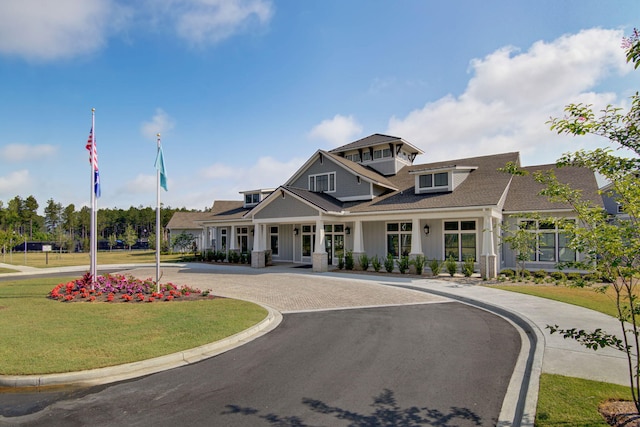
(93, 150)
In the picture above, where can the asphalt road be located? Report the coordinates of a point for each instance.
(439, 364)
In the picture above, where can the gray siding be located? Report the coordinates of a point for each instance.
(346, 182)
(285, 208)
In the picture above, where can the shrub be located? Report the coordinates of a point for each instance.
(348, 260)
(340, 261)
(435, 265)
(507, 272)
(524, 273)
(376, 264)
(364, 261)
(388, 263)
(403, 264)
(574, 276)
(468, 266)
(559, 275)
(451, 265)
(419, 262)
(540, 274)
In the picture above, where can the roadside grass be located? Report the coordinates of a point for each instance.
(41, 336)
(7, 270)
(56, 259)
(583, 297)
(566, 401)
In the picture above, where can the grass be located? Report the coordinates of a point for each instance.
(40, 336)
(56, 259)
(565, 401)
(583, 297)
(7, 270)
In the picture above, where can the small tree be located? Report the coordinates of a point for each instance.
(523, 243)
(612, 246)
(130, 236)
(112, 240)
(183, 242)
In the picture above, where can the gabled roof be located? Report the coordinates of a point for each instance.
(321, 200)
(352, 167)
(523, 192)
(358, 169)
(377, 139)
(187, 220)
(485, 186)
(227, 209)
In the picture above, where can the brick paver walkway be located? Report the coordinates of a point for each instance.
(288, 292)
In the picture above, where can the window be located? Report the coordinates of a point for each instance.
(242, 239)
(551, 243)
(356, 157)
(223, 239)
(399, 238)
(434, 180)
(308, 239)
(274, 240)
(323, 182)
(460, 240)
(386, 152)
(377, 154)
(620, 208)
(251, 199)
(366, 156)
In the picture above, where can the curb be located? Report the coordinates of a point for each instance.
(520, 401)
(128, 371)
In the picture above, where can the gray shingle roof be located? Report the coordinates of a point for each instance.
(321, 200)
(523, 192)
(484, 186)
(376, 139)
(358, 169)
(187, 220)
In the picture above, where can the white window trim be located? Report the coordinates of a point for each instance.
(556, 231)
(434, 188)
(398, 233)
(328, 174)
(460, 232)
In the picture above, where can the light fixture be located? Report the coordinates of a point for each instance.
(347, 230)
(426, 230)
(295, 231)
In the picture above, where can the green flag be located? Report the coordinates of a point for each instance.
(160, 167)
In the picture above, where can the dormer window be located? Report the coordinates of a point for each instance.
(251, 199)
(439, 179)
(325, 182)
(432, 181)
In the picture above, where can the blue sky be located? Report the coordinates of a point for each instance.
(244, 91)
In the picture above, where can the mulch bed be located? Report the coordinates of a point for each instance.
(620, 413)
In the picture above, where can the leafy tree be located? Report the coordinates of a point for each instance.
(183, 241)
(130, 236)
(112, 240)
(52, 215)
(522, 242)
(31, 214)
(70, 220)
(613, 246)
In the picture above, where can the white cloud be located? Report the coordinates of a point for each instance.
(43, 30)
(22, 152)
(511, 95)
(17, 182)
(336, 131)
(141, 184)
(161, 122)
(206, 22)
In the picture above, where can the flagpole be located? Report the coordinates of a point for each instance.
(158, 233)
(93, 237)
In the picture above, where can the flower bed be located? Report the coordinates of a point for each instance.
(120, 288)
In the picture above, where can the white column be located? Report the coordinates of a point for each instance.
(320, 237)
(257, 238)
(233, 238)
(358, 241)
(416, 237)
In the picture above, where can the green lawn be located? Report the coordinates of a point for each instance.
(54, 259)
(39, 335)
(584, 297)
(565, 401)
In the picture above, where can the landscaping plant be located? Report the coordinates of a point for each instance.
(419, 262)
(364, 261)
(403, 264)
(376, 264)
(468, 266)
(349, 263)
(613, 246)
(451, 265)
(389, 263)
(435, 265)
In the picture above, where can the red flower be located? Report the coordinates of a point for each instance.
(151, 299)
(92, 298)
(169, 298)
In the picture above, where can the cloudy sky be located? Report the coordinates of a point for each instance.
(244, 91)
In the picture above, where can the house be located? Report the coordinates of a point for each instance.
(370, 198)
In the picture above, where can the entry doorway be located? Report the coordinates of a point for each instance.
(334, 242)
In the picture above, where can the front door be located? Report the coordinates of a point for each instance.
(328, 247)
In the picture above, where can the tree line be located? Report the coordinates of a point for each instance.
(69, 228)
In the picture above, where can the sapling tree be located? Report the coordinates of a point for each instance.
(611, 245)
